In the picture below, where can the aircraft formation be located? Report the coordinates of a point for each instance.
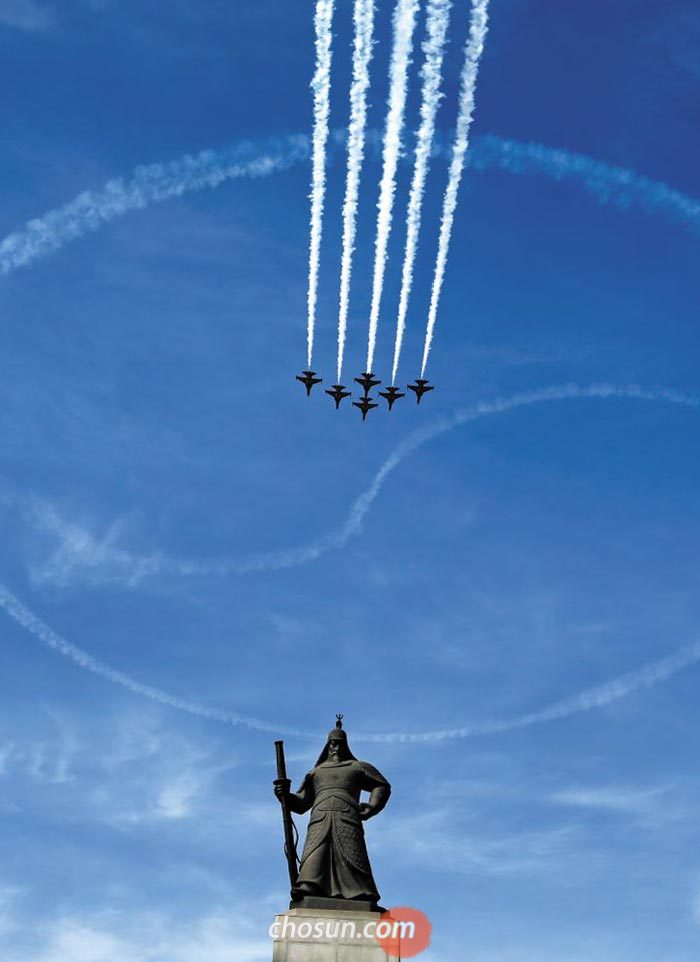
(367, 381)
(408, 19)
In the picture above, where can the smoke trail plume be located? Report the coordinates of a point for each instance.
(618, 187)
(362, 55)
(404, 25)
(625, 685)
(321, 86)
(475, 45)
(80, 555)
(621, 687)
(610, 691)
(29, 621)
(148, 184)
(433, 48)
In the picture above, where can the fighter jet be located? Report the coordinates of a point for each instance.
(338, 393)
(308, 379)
(391, 394)
(421, 387)
(365, 405)
(367, 381)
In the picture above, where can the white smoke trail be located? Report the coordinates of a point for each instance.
(29, 621)
(651, 674)
(321, 86)
(404, 25)
(619, 187)
(610, 691)
(103, 562)
(646, 677)
(433, 48)
(475, 45)
(362, 55)
(148, 184)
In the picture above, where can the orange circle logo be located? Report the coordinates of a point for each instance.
(403, 932)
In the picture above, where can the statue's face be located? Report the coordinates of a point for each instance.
(335, 750)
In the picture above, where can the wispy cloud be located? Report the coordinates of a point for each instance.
(78, 554)
(26, 15)
(438, 837)
(624, 800)
(228, 935)
(695, 908)
(9, 896)
(47, 757)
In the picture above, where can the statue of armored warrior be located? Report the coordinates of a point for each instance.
(334, 863)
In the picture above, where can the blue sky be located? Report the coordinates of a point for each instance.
(154, 442)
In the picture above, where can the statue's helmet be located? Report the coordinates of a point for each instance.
(337, 734)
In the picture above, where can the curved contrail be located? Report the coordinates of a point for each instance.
(622, 686)
(362, 55)
(137, 568)
(321, 86)
(647, 676)
(433, 48)
(35, 626)
(619, 187)
(148, 184)
(478, 27)
(651, 674)
(404, 25)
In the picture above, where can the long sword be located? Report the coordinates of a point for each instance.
(290, 848)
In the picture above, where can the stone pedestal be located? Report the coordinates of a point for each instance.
(327, 935)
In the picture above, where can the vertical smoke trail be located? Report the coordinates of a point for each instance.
(362, 54)
(475, 46)
(404, 24)
(433, 48)
(321, 86)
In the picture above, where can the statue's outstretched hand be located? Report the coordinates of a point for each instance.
(281, 788)
(366, 811)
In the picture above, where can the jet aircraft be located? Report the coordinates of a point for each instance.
(391, 394)
(368, 381)
(421, 387)
(338, 393)
(308, 379)
(365, 405)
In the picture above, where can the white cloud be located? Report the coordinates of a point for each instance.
(46, 755)
(436, 837)
(78, 554)
(9, 895)
(624, 800)
(176, 799)
(120, 937)
(26, 15)
(695, 908)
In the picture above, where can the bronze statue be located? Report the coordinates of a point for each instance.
(334, 863)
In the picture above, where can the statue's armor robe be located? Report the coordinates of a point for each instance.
(334, 862)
